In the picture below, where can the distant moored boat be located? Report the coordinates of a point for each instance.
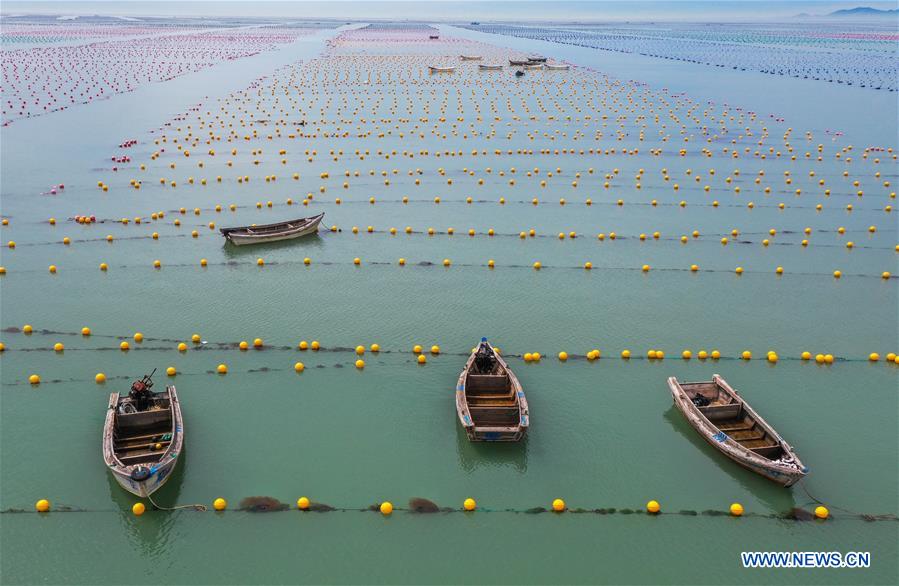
(272, 232)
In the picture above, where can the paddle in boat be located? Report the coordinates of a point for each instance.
(272, 232)
(143, 437)
(489, 400)
(721, 416)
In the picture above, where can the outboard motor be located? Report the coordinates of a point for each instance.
(140, 394)
(484, 358)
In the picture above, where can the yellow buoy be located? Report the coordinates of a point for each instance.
(58, 347)
(873, 356)
(303, 503)
(386, 508)
(299, 367)
(746, 355)
(686, 355)
(42, 506)
(422, 359)
(558, 505)
(124, 346)
(625, 354)
(736, 509)
(100, 378)
(257, 343)
(563, 356)
(653, 507)
(360, 350)
(34, 379)
(222, 369)
(821, 512)
(469, 504)
(138, 509)
(375, 347)
(85, 331)
(219, 504)
(171, 371)
(360, 364)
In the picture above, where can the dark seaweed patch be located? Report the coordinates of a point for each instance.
(420, 505)
(262, 504)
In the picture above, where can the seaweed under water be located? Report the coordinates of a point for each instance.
(262, 504)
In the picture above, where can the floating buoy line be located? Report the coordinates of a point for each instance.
(421, 506)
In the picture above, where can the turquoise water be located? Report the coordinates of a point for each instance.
(604, 433)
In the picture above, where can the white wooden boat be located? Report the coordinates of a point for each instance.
(533, 66)
(272, 232)
(143, 437)
(490, 67)
(436, 69)
(557, 66)
(490, 402)
(470, 57)
(721, 416)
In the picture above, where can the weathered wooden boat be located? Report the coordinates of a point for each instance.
(446, 69)
(534, 66)
(433, 37)
(557, 66)
(258, 234)
(536, 59)
(470, 57)
(518, 61)
(490, 67)
(731, 426)
(143, 437)
(490, 402)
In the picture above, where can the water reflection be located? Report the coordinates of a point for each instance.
(150, 533)
(473, 455)
(776, 498)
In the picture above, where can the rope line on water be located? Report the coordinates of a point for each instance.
(197, 507)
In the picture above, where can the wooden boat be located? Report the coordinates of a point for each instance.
(519, 73)
(557, 66)
(731, 426)
(534, 66)
(489, 400)
(536, 59)
(435, 69)
(470, 57)
(433, 37)
(143, 437)
(490, 67)
(272, 232)
(518, 61)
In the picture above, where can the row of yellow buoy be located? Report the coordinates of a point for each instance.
(531, 357)
(469, 504)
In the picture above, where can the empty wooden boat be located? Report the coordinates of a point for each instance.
(518, 61)
(557, 66)
(534, 66)
(272, 232)
(470, 57)
(143, 437)
(446, 69)
(536, 59)
(489, 400)
(490, 67)
(731, 426)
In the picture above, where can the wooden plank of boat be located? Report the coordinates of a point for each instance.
(436, 69)
(490, 402)
(143, 437)
(490, 67)
(726, 421)
(471, 57)
(262, 233)
(557, 66)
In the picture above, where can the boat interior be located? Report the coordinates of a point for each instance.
(137, 435)
(727, 414)
(492, 401)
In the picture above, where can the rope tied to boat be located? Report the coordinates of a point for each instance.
(196, 507)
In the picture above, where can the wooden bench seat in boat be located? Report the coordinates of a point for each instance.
(736, 425)
(494, 416)
(768, 451)
(478, 384)
(719, 412)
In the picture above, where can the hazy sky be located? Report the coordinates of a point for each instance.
(441, 9)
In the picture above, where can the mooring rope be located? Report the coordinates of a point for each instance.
(197, 507)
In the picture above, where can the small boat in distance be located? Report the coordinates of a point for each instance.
(446, 69)
(519, 73)
(518, 61)
(470, 57)
(490, 67)
(433, 37)
(731, 426)
(534, 66)
(143, 437)
(557, 66)
(536, 59)
(258, 234)
(490, 403)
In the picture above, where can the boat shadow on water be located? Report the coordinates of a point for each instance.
(302, 245)
(149, 533)
(473, 455)
(777, 498)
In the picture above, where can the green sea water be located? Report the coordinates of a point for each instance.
(604, 434)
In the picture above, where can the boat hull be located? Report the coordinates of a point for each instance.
(784, 475)
(492, 433)
(243, 239)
